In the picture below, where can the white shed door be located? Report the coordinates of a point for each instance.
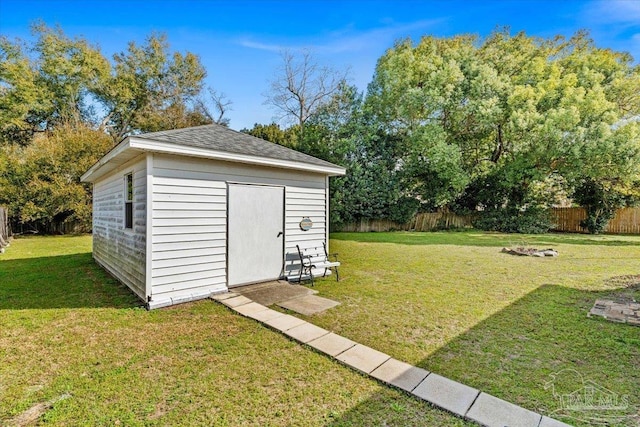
(255, 233)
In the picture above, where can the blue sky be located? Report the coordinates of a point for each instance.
(239, 41)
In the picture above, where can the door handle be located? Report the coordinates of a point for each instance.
(279, 234)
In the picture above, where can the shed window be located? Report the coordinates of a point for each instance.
(128, 201)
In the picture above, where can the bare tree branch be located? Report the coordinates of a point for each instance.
(215, 107)
(300, 86)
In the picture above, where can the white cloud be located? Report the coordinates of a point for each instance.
(261, 46)
(348, 39)
(621, 12)
(614, 23)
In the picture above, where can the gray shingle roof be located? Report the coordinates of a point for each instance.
(221, 138)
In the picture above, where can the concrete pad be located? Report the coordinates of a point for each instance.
(306, 332)
(363, 358)
(550, 422)
(446, 393)
(273, 292)
(400, 374)
(266, 315)
(331, 344)
(308, 304)
(493, 412)
(249, 309)
(223, 296)
(285, 322)
(236, 301)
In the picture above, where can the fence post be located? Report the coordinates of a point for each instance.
(4, 228)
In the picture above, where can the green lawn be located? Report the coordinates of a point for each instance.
(68, 328)
(453, 304)
(448, 302)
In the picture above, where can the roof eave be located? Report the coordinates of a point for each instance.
(171, 148)
(92, 173)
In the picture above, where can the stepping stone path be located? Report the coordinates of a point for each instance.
(459, 399)
(622, 312)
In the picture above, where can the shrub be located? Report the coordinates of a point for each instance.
(533, 220)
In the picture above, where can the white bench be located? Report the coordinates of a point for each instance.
(317, 258)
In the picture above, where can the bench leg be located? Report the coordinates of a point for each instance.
(337, 275)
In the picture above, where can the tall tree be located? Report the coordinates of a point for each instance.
(40, 182)
(300, 86)
(58, 98)
(152, 89)
(273, 133)
(48, 84)
(512, 110)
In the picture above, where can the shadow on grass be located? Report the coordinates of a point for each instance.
(65, 281)
(539, 350)
(486, 239)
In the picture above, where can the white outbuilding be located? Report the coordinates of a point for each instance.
(182, 214)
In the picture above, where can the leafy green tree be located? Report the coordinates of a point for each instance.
(273, 133)
(47, 85)
(41, 182)
(152, 89)
(60, 100)
(508, 113)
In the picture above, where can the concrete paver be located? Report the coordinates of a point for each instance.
(250, 308)
(266, 315)
(446, 393)
(453, 396)
(400, 374)
(331, 344)
(493, 412)
(550, 422)
(223, 296)
(363, 358)
(236, 301)
(306, 332)
(285, 322)
(308, 304)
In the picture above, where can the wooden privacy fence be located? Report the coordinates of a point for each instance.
(430, 221)
(4, 227)
(625, 221)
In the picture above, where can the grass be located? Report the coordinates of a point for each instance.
(66, 327)
(453, 304)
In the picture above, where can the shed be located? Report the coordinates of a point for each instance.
(182, 214)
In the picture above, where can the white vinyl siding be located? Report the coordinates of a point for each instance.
(188, 235)
(189, 220)
(187, 246)
(303, 202)
(121, 251)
